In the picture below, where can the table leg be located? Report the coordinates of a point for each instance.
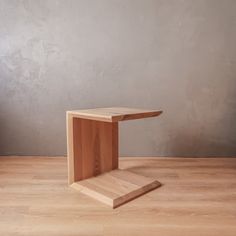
(92, 147)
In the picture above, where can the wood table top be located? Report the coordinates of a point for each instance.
(114, 114)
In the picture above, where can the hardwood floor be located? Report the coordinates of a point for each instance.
(197, 197)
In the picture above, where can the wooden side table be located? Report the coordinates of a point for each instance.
(92, 146)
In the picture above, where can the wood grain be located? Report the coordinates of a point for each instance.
(114, 114)
(92, 147)
(116, 187)
(92, 144)
(198, 197)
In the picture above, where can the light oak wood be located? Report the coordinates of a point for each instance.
(114, 114)
(198, 197)
(92, 149)
(116, 187)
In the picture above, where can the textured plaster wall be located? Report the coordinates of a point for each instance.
(176, 55)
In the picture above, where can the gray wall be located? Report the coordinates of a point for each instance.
(176, 55)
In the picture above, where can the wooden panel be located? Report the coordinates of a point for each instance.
(77, 149)
(114, 114)
(92, 147)
(116, 187)
(70, 153)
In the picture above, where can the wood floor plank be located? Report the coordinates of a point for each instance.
(198, 197)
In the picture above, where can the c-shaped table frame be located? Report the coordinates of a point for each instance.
(92, 146)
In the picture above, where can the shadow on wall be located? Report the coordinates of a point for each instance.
(206, 127)
(211, 134)
(189, 145)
